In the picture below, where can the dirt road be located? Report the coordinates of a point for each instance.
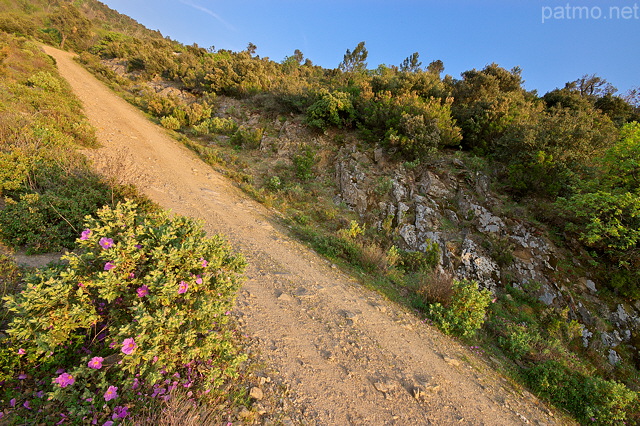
(348, 355)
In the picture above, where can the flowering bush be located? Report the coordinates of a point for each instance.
(137, 311)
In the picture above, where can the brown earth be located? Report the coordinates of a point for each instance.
(347, 355)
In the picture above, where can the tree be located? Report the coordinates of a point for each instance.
(251, 48)
(355, 61)
(592, 85)
(411, 64)
(70, 23)
(436, 67)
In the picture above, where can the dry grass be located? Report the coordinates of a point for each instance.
(436, 287)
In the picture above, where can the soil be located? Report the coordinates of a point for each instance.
(345, 353)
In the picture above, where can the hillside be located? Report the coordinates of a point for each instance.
(500, 216)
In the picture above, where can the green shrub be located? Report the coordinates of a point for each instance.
(518, 339)
(48, 220)
(44, 80)
(247, 137)
(466, 312)
(591, 399)
(330, 109)
(139, 309)
(303, 163)
(170, 122)
(224, 126)
(420, 261)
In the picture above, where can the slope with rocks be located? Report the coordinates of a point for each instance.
(347, 355)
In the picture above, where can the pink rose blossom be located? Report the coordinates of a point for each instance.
(96, 362)
(143, 291)
(65, 380)
(85, 234)
(183, 287)
(106, 243)
(111, 393)
(129, 346)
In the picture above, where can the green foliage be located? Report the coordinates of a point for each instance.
(304, 162)
(605, 211)
(224, 126)
(44, 80)
(47, 220)
(48, 187)
(591, 399)
(518, 339)
(355, 61)
(466, 312)
(247, 137)
(414, 125)
(147, 294)
(170, 122)
(420, 261)
(330, 109)
(71, 25)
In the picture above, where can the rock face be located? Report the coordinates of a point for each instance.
(479, 237)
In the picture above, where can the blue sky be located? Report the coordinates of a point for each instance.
(552, 41)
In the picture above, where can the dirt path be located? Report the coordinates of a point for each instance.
(348, 355)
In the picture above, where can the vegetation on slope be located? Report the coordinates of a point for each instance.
(569, 157)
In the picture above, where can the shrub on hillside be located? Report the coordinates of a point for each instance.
(592, 400)
(466, 312)
(140, 309)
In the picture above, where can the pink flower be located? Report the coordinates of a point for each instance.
(106, 243)
(183, 287)
(85, 234)
(65, 380)
(136, 384)
(111, 393)
(107, 423)
(199, 280)
(21, 351)
(143, 291)
(204, 262)
(27, 405)
(120, 412)
(81, 285)
(129, 346)
(96, 362)
(109, 266)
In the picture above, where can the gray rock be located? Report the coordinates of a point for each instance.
(408, 234)
(614, 358)
(548, 296)
(402, 209)
(591, 286)
(586, 335)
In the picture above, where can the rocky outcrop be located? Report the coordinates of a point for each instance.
(455, 208)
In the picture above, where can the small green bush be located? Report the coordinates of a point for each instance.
(466, 312)
(224, 126)
(44, 80)
(138, 310)
(303, 163)
(330, 109)
(246, 137)
(592, 400)
(418, 261)
(170, 122)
